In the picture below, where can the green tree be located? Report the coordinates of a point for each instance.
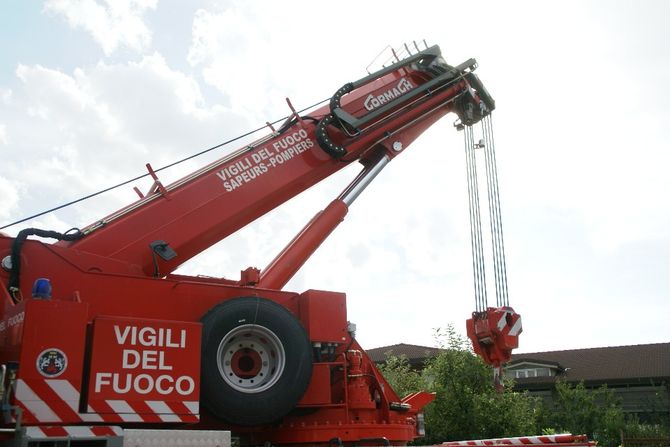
(403, 379)
(576, 409)
(468, 407)
(654, 422)
(506, 414)
(466, 404)
(658, 410)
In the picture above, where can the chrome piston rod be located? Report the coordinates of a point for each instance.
(362, 180)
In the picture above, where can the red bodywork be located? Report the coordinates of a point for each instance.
(494, 333)
(119, 340)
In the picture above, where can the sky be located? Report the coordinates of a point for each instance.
(91, 90)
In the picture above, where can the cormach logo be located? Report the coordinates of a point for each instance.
(372, 101)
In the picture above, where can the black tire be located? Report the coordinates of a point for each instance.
(256, 361)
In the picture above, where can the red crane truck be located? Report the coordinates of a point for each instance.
(98, 335)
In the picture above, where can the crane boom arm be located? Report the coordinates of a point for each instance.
(146, 346)
(383, 112)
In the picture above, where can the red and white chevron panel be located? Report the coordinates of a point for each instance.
(72, 432)
(57, 401)
(513, 330)
(549, 440)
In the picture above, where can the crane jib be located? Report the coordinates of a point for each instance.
(110, 334)
(406, 84)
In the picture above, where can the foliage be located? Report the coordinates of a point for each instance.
(468, 407)
(506, 414)
(466, 404)
(403, 379)
(659, 410)
(596, 413)
(635, 429)
(655, 422)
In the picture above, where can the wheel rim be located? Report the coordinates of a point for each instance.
(251, 358)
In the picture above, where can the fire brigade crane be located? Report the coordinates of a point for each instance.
(136, 345)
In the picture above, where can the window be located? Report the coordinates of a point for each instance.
(529, 372)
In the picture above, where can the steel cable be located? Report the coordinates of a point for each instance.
(475, 223)
(498, 246)
(500, 226)
(139, 177)
(493, 222)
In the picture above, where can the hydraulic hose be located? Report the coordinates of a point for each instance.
(322, 137)
(15, 274)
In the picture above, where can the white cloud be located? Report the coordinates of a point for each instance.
(5, 95)
(580, 145)
(8, 199)
(256, 59)
(99, 126)
(3, 134)
(219, 39)
(112, 23)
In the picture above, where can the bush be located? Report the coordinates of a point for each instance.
(466, 404)
(468, 407)
(595, 413)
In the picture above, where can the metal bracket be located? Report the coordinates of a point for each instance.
(157, 186)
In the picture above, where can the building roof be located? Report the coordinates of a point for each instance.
(612, 365)
(619, 364)
(414, 353)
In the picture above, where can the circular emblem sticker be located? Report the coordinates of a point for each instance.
(51, 362)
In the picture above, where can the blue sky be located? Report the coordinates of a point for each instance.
(90, 91)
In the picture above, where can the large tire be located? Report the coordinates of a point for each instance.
(256, 361)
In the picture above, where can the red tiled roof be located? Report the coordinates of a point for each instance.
(635, 363)
(611, 364)
(414, 353)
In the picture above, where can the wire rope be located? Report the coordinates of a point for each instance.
(496, 215)
(475, 223)
(170, 165)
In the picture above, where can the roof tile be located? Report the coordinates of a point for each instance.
(414, 353)
(609, 363)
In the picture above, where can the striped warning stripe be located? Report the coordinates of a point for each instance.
(70, 396)
(516, 329)
(34, 405)
(552, 440)
(502, 323)
(72, 432)
(63, 406)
